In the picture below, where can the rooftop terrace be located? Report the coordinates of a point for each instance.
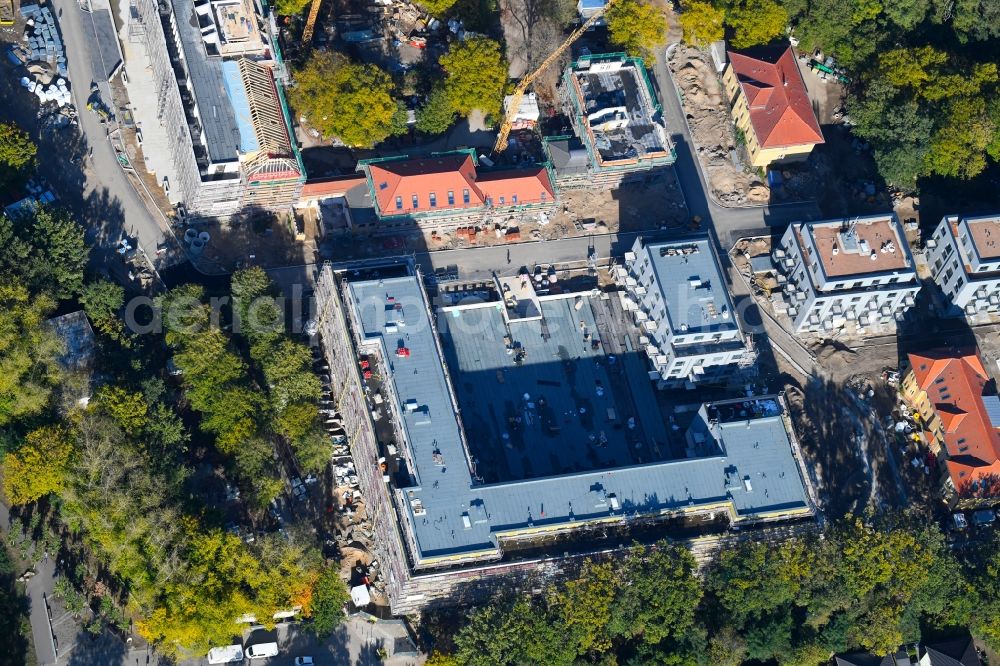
(985, 232)
(618, 111)
(859, 246)
(746, 458)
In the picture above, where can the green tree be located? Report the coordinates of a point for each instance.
(958, 147)
(727, 647)
(584, 606)
(756, 22)
(702, 22)
(436, 7)
(660, 598)
(437, 114)
(638, 26)
(400, 120)
(287, 368)
(291, 7)
(128, 410)
(350, 101)
(976, 20)
(102, 301)
(512, 633)
(907, 14)
(45, 247)
(312, 450)
(28, 353)
(39, 466)
(17, 155)
(329, 596)
(757, 578)
(476, 76)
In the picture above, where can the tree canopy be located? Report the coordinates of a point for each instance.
(756, 22)
(39, 466)
(28, 352)
(437, 114)
(702, 22)
(46, 249)
(863, 585)
(638, 26)
(343, 99)
(437, 8)
(291, 7)
(476, 76)
(17, 154)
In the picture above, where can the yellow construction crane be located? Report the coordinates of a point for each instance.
(307, 33)
(522, 87)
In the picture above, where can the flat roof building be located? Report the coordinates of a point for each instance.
(964, 255)
(856, 273)
(616, 117)
(678, 298)
(497, 432)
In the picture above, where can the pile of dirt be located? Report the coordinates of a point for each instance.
(708, 118)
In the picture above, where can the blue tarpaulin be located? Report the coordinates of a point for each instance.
(241, 105)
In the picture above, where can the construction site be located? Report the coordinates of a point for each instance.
(497, 425)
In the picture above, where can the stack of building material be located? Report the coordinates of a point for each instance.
(42, 35)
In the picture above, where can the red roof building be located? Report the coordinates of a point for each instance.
(957, 401)
(771, 104)
(451, 183)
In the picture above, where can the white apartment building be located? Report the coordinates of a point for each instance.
(856, 274)
(964, 256)
(679, 300)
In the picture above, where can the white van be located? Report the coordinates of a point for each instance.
(262, 650)
(225, 655)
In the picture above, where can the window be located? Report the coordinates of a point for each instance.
(855, 285)
(513, 198)
(399, 203)
(544, 195)
(416, 202)
(451, 198)
(489, 201)
(383, 185)
(502, 202)
(433, 199)
(465, 196)
(939, 380)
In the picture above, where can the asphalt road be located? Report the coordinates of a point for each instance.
(110, 204)
(729, 224)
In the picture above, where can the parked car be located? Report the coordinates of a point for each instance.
(984, 517)
(960, 522)
(262, 650)
(304, 661)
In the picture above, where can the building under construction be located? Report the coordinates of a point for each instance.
(214, 126)
(498, 437)
(618, 122)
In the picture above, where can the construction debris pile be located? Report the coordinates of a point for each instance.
(42, 36)
(711, 128)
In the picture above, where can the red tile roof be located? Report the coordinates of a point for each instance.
(780, 111)
(327, 187)
(523, 186)
(398, 184)
(451, 182)
(955, 385)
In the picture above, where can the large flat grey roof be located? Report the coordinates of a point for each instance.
(462, 517)
(222, 134)
(690, 281)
